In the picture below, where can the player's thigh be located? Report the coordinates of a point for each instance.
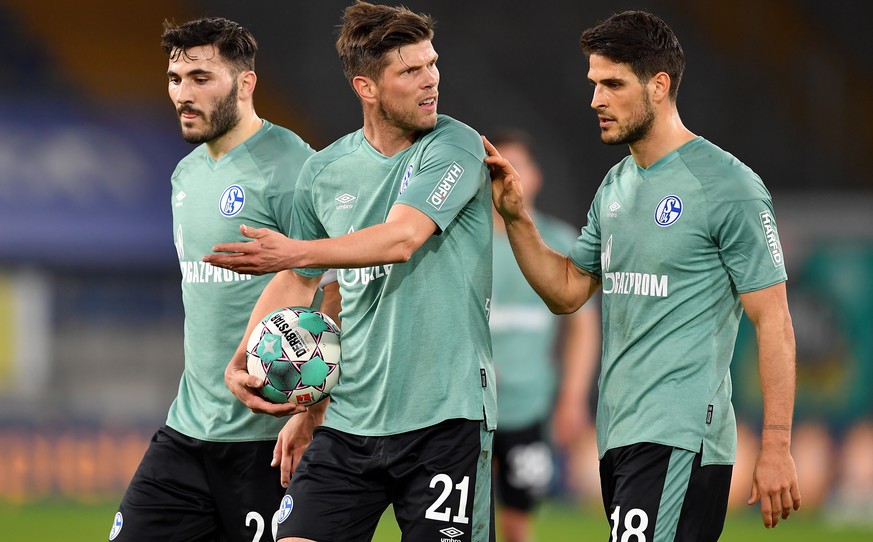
(703, 512)
(336, 492)
(246, 489)
(168, 498)
(524, 467)
(659, 493)
(442, 480)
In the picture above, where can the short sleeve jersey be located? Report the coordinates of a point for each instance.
(253, 184)
(416, 347)
(674, 245)
(523, 332)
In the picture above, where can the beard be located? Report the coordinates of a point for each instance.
(404, 119)
(637, 127)
(224, 116)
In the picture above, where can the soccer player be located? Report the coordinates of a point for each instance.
(206, 474)
(534, 390)
(402, 207)
(682, 237)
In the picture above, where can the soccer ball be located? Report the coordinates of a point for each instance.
(296, 350)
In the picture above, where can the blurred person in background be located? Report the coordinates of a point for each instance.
(207, 473)
(682, 237)
(852, 500)
(541, 401)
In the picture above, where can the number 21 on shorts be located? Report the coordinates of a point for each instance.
(435, 513)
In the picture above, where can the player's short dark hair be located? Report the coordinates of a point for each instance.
(233, 41)
(369, 32)
(642, 41)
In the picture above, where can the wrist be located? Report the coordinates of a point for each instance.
(775, 435)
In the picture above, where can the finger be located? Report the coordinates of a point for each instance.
(767, 511)
(253, 233)
(277, 454)
(753, 498)
(262, 406)
(795, 495)
(489, 148)
(495, 161)
(775, 509)
(787, 504)
(285, 470)
(253, 381)
(234, 248)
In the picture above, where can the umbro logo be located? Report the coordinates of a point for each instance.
(345, 201)
(451, 532)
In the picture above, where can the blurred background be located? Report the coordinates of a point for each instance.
(90, 309)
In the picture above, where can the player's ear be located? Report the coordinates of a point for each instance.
(659, 86)
(246, 81)
(366, 88)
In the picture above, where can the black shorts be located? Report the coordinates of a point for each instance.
(191, 490)
(523, 467)
(437, 478)
(659, 493)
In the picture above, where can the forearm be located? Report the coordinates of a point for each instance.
(776, 366)
(561, 285)
(581, 355)
(403, 232)
(286, 289)
(377, 245)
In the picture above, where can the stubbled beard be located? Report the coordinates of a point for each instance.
(224, 116)
(637, 128)
(405, 120)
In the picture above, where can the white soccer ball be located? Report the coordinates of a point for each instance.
(296, 350)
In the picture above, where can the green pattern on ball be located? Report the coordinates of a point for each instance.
(270, 348)
(273, 395)
(283, 375)
(313, 372)
(312, 323)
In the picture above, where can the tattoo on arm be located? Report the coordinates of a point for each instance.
(777, 427)
(585, 273)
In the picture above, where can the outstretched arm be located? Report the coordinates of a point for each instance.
(403, 232)
(562, 286)
(774, 481)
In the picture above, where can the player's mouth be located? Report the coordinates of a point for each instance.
(605, 122)
(187, 113)
(428, 104)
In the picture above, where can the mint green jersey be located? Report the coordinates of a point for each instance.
(254, 185)
(675, 244)
(523, 332)
(416, 348)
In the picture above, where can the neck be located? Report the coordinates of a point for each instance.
(248, 126)
(666, 135)
(386, 137)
